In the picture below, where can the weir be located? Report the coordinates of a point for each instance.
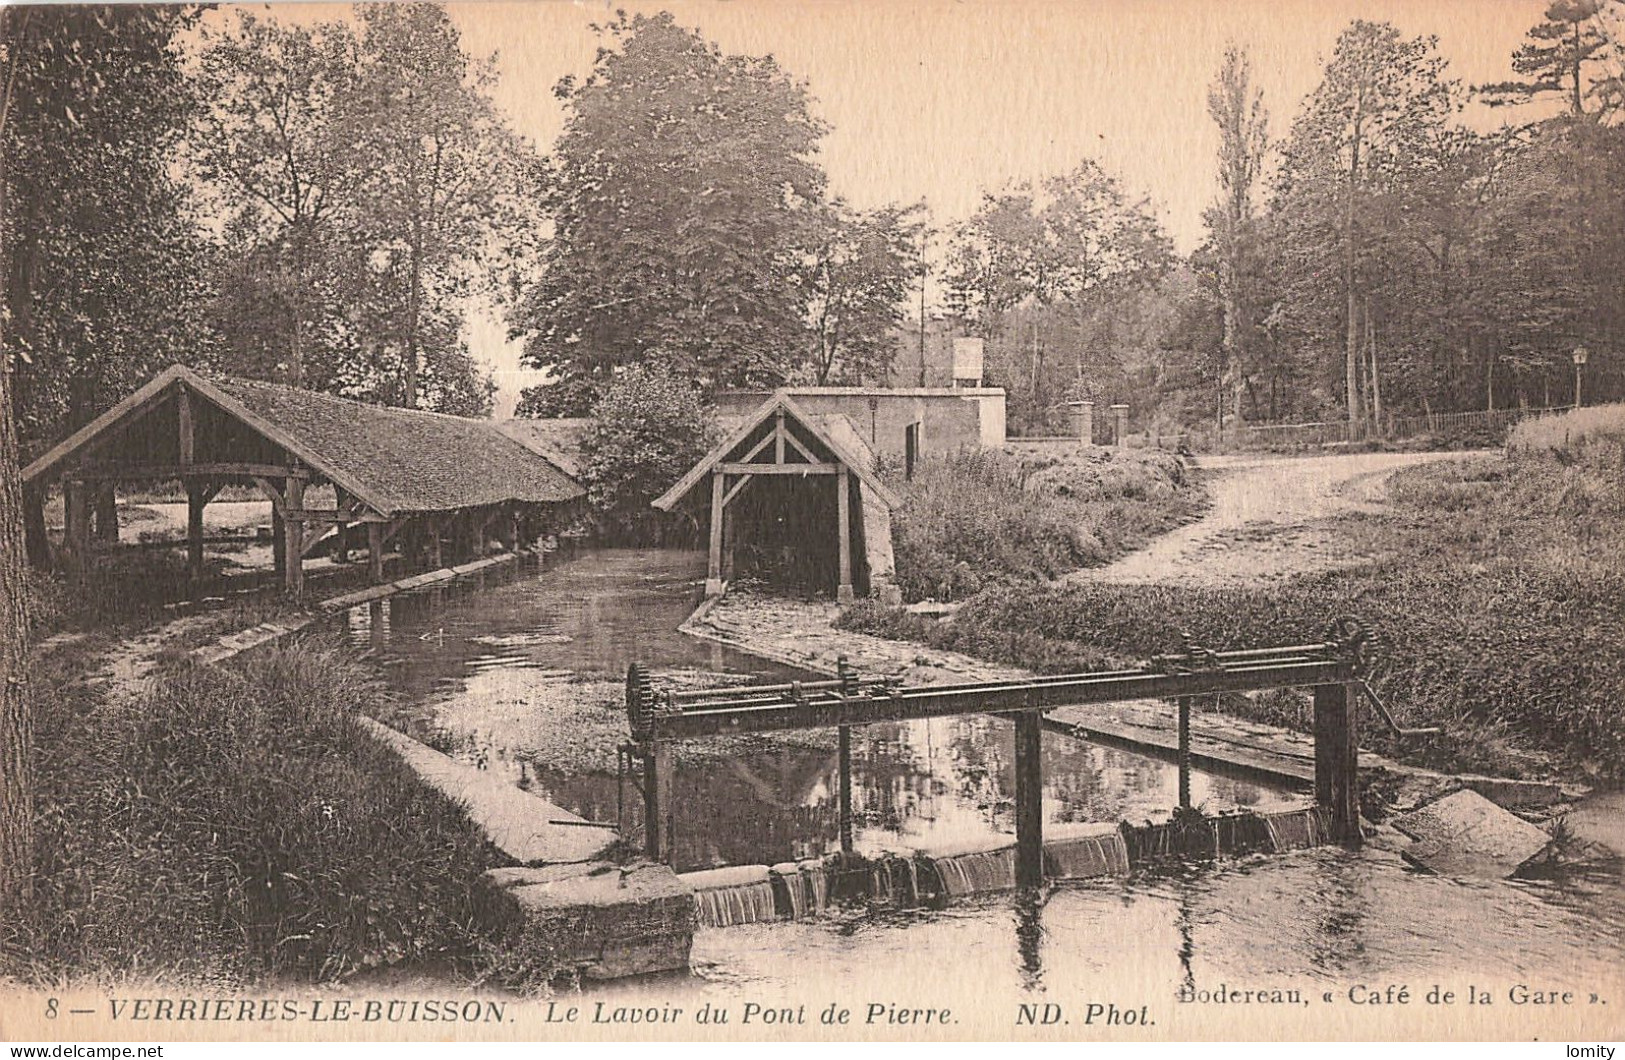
(1333, 667)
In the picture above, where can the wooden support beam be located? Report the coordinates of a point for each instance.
(756, 450)
(333, 515)
(735, 468)
(845, 770)
(148, 472)
(1029, 799)
(375, 552)
(76, 522)
(1337, 759)
(105, 510)
(314, 535)
(272, 494)
(795, 443)
(778, 436)
(279, 539)
(183, 409)
(196, 499)
(736, 489)
(843, 519)
(713, 568)
(657, 802)
(294, 570)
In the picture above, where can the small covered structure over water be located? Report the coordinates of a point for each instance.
(795, 496)
(434, 481)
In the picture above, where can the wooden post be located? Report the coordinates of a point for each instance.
(843, 517)
(1029, 799)
(1184, 752)
(293, 492)
(375, 552)
(713, 569)
(106, 508)
(437, 553)
(185, 444)
(76, 522)
(657, 797)
(196, 497)
(279, 547)
(341, 548)
(1337, 759)
(778, 436)
(846, 788)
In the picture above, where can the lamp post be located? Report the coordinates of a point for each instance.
(1580, 354)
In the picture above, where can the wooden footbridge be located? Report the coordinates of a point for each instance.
(1334, 668)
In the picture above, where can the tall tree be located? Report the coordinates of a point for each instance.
(686, 198)
(861, 274)
(16, 719)
(1382, 100)
(1236, 106)
(433, 168)
(96, 257)
(1556, 57)
(269, 151)
(1055, 266)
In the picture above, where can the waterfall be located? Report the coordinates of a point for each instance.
(978, 872)
(750, 903)
(739, 894)
(818, 888)
(1296, 829)
(1081, 857)
(803, 888)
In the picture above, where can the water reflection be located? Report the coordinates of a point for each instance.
(930, 785)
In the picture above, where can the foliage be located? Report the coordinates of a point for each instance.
(1045, 268)
(102, 285)
(1237, 108)
(1567, 437)
(1556, 58)
(983, 517)
(365, 178)
(171, 841)
(684, 202)
(648, 429)
(856, 285)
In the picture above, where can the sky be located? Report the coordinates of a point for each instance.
(941, 100)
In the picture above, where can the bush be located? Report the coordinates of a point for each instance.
(986, 517)
(649, 429)
(1570, 433)
(234, 824)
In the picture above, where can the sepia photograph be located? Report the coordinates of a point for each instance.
(833, 522)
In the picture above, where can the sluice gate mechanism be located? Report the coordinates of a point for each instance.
(1335, 668)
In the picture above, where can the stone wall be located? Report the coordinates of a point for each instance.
(948, 419)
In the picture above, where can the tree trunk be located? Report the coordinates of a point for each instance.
(16, 721)
(1351, 349)
(414, 307)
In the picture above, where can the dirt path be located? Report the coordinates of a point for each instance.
(1272, 517)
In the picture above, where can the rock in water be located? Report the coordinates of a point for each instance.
(1466, 834)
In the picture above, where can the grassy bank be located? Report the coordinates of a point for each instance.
(1499, 591)
(234, 824)
(977, 519)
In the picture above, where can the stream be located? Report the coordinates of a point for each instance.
(523, 673)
